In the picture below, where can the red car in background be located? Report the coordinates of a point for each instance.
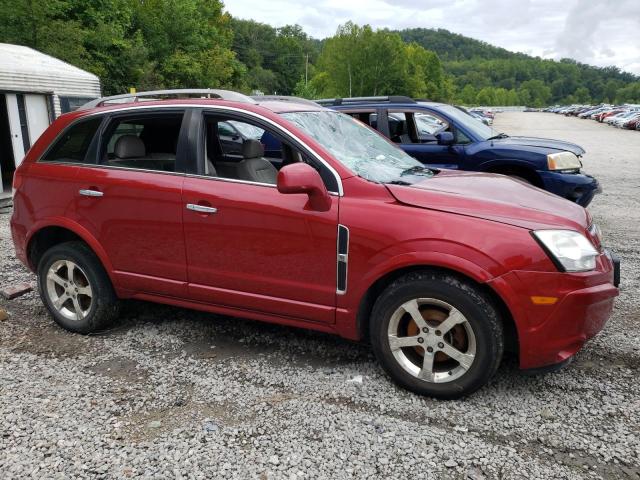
(338, 231)
(608, 114)
(632, 124)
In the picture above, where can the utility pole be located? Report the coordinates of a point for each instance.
(306, 70)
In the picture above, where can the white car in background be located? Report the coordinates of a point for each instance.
(620, 123)
(613, 118)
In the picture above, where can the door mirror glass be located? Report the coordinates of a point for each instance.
(445, 138)
(302, 178)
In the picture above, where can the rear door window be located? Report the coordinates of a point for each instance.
(74, 143)
(147, 143)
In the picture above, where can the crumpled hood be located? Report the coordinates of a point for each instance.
(493, 197)
(546, 143)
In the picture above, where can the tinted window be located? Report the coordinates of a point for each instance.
(72, 146)
(147, 143)
(69, 104)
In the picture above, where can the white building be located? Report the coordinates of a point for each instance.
(34, 90)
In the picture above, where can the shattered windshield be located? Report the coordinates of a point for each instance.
(359, 148)
(247, 131)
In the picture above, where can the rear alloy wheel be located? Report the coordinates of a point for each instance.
(69, 290)
(75, 288)
(436, 334)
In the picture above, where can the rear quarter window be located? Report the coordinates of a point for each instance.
(74, 143)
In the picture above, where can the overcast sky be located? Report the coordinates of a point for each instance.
(597, 32)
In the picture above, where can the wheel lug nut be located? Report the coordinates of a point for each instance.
(429, 349)
(425, 330)
(440, 345)
(421, 340)
(438, 332)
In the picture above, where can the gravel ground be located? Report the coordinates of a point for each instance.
(170, 393)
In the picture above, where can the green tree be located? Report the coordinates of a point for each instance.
(486, 96)
(582, 95)
(468, 95)
(190, 40)
(359, 61)
(94, 35)
(287, 53)
(539, 93)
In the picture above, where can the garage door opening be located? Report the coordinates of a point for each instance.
(7, 161)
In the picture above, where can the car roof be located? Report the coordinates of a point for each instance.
(272, 106)
(394, 105)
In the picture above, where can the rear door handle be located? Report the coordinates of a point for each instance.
(201, 208)
(91, 193)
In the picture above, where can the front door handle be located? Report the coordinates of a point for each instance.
(201, 208)
(90, 193)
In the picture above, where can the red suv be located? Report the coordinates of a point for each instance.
(333, 228)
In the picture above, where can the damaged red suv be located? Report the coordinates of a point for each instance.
(283, 211)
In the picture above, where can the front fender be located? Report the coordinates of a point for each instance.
(478, 268)
(496, 163)
(450, 255)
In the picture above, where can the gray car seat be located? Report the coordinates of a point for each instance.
(129, 146)
(255, 168)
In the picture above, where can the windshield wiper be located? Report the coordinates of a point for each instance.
(500, 135)
(418, 170)
(399, 182)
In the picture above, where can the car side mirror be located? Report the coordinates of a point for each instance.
(445, 138)
(302, 178)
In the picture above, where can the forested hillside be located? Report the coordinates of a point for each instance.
(195, 43)
(486, 74)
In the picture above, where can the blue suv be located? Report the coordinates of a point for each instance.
(444, 136)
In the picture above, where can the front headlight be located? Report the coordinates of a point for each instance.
(563, 161)
(569, 249)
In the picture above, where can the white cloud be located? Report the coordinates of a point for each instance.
(602, 32)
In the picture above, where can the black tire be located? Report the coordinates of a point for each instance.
(480, 315)
(103, 306)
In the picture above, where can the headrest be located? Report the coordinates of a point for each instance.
(129, 146)
(397, 127)
(252, 149)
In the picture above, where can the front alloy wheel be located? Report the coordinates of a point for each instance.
(437, 334)
(432, 340)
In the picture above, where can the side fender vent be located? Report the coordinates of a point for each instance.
(342, 259)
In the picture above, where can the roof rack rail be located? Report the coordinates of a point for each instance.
(163, 94)
(284, 98)
(346, 101)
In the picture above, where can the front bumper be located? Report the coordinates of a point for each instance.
(577, 187)
(549, 334)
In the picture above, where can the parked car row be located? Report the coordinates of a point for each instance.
(283, 211)
(484, 115)
(620, 116)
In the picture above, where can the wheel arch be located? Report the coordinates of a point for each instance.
(377, 287)
(515, 168)
(49, 233)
